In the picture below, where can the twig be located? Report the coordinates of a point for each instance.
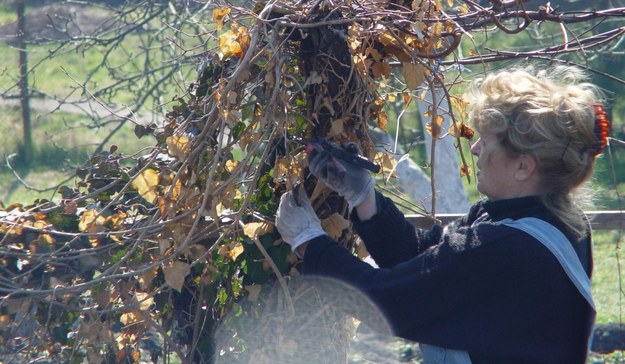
(9, 160)
(276, 271)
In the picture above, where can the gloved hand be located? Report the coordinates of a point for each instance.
(296, 220)
(352, 182)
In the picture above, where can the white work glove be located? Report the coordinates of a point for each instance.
(296, 220)
(352, 182)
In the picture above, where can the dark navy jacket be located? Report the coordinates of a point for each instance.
(491, 290)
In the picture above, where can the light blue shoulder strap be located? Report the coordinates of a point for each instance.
(554, 240)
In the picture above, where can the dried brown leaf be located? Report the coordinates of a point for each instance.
(255, 229)
(219, 16)
(145, 183)
(414, 74)
(178, 146)
(334, 225)
(175, 273)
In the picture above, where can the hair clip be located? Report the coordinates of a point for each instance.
(602, 128)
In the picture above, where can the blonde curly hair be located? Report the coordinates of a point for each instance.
(548, 114)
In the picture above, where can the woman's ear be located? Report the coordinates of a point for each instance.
(527, 167)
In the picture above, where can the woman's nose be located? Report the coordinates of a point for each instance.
(476, 147)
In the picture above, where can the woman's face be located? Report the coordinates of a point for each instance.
(496, 171)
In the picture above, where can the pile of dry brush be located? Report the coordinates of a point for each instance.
(154, 257)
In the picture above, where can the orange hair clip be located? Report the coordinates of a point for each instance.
(602, 128)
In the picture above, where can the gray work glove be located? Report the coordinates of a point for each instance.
(296, 220)
(352, 182)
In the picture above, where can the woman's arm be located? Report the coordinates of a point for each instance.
(388, 236)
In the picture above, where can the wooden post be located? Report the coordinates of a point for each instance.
(599, 220)
(24, 92)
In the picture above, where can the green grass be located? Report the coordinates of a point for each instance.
(609, 276)
(7, 14)
(62, 141)
(64, 75)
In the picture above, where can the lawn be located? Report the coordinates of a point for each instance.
(59, 149)
(609, 276)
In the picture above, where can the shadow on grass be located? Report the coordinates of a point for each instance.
(45, 157)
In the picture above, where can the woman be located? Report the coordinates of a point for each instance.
(496, 286)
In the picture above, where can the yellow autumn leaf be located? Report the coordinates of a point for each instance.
(354, 43)
(91, 221)
(166, 206)
(414, 74)
(438, 120)
(145, 300)
(382, 121)
(175, 272)
(12, 229)
(463, 9)
(232, 250)
(461, 130)
(387, 39)
(289, 168)
(39, 225)
(465, 170)
(334, 225)
(145, 183)
(228, 44)
(235, 41)
(386, 163)
(450, 26)
(362, 64)
(254, 229)
(229, 195)
(129, 318)
(219, 16)
(231, 165)
(244, 38)
(434, 127)
(407, 98)
(116, 220)
(5, 321)
(178, 146)
(455, 130)
(437, 29)
(459, 105)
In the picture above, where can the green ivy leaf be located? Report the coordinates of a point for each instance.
(238, 129)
